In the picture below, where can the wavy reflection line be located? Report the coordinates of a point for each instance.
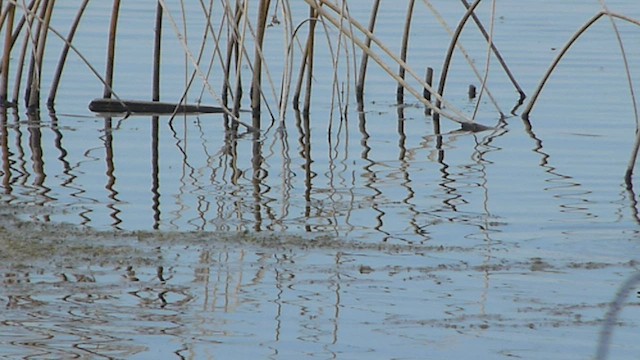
(406, 176)
(110, 172)
(303, 124)
(155, 171)
(67, 170)
(6, 154)
(182, 145)
(371, 177)
(22, 174)
(560, 181)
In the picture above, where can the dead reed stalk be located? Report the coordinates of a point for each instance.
(111, 49)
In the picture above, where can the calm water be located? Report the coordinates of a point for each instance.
(497, 243)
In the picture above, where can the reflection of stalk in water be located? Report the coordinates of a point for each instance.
(406, 176)
(566, 181)
(634, 204)
(111, 178)
(371, 176)
(256, 179)
(304, 129)
(182, 145)
(6, 153)
(447, 180)
(155, 171)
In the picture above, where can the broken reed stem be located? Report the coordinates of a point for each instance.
(567, 46)
(449, 56)
(6, 54)
(403, 51)
(157, 47)
(64, 54)
(496, 52)
(111, 49)
(365, 57)
(263, 10)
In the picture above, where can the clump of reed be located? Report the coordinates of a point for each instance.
(235, 34)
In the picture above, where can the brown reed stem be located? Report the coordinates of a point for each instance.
(111, 50)
(449, 56)
(403, 51)
(256, 84)
(32, 95)
(155, 87)
(64, 54)
(6, 54)
(365, 57)
(306, 60)
(27, 18)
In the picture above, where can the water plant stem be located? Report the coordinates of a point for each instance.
(111, 49)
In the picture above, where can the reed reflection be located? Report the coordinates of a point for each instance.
(155, 171)
(371, 177)
(414, 221)
(6, 153)
(558, 182)
(110, 173)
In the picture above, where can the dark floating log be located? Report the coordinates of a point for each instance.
(148, 107)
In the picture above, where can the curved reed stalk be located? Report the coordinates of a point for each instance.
(455, 115)
(403, 51)
(487, 61)
(464, 52)
(496, 52)
(64, 54)
(111, 49)
(256, 83)
(565, 49)
(306, 65)
(447, 62)
(32, 96)
(27, 18)
(365, 55)
(9, 14)
(201, 74)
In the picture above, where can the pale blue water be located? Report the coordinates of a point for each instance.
(520, 239)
